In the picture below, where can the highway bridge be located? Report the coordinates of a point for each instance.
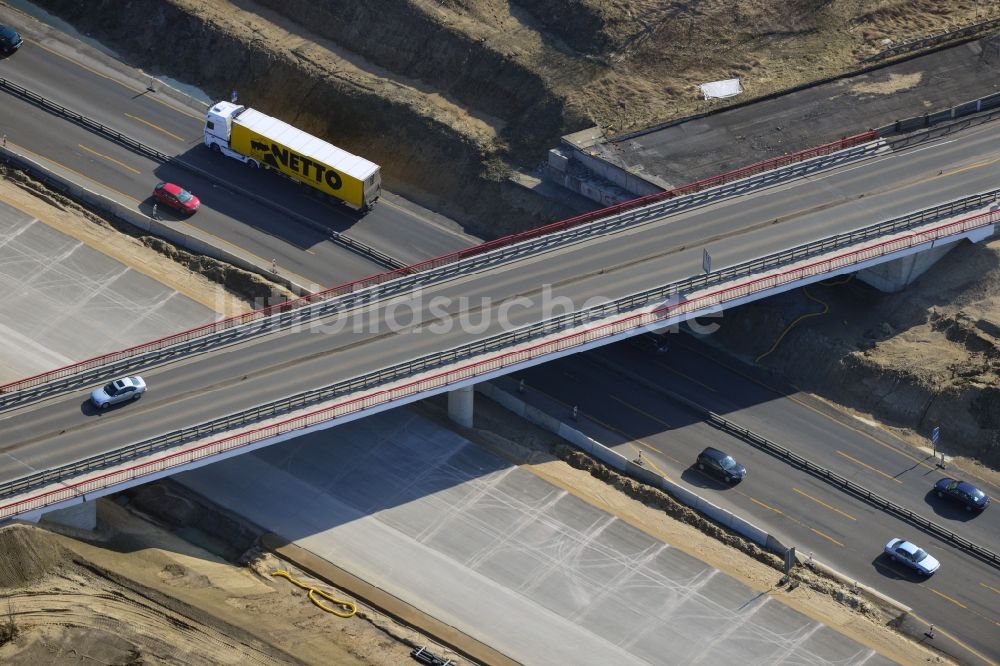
(444, 329)
(57, 451)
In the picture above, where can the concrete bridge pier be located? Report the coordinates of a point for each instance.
(460, 405)
(82, 516)
(893, 276)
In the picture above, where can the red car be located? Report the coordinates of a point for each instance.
(176, 197)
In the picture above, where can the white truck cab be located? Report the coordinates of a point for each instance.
(219, 127)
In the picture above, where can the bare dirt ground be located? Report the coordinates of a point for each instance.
(225, 289)
(134, 593)
(659, 515)
(449, 95)
(438, 90)
(924, 357)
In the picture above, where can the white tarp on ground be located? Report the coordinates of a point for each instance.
(718, 89)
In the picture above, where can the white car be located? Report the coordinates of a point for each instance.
(120, 390)
(913, 557)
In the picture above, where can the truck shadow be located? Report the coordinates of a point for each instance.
(263, 200)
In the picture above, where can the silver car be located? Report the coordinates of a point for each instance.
(909, 554)
(120, 390)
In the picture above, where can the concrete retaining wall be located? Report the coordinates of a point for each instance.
(895, 275)
(140, 220)
(683, 495)
(619, 462)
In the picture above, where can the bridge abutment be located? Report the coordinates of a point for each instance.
(82, 516)
(893, 276)
(460, 405)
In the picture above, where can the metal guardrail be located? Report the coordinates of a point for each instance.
(366, 251)
(639, 211)
(764, 444)
(548, 237)
(379, 380)
(934, 40)
(871, 232)
(516, 246)
(356, 294)
(854, 489)
(930, 119)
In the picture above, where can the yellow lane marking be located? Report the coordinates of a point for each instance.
(74, 171)
(945, 596)
(637, 440)
(826, 536)
(822, 503)
(990, 587)
(650, 463)
(876, 440)
(89, 69)
(154, 126)
(418, 216)
(618, 431)
(554, 399)
(126, 87)
(970, 167)
(877, 471)
(301, 279)
(769, 508)
(109, 158)
(641, 442)
(984, 658)
(685, 376)
(639, 411)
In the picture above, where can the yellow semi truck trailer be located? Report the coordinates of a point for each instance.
(260, 140)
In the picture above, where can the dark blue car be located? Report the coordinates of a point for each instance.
(720, 465)
(966, 494)
(10, 41)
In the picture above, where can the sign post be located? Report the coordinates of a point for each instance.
(935, 436)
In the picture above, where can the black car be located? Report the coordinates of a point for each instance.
(966, 494)
(10, 41)
(721, 465)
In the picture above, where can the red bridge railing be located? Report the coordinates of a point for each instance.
(333, 292)
(822, 266)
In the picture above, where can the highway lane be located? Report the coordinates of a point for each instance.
(801, 510)
(869, 456)
(411, 242)
(129, 178)
(91, 83)
(469, 308)
(741, 240)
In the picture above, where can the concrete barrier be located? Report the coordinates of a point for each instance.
(140, 220)
(722, 516)
(871, 593)
(638, 472)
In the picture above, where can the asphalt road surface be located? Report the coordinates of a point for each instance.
(521, 564)
(64, 428)
(611, 388)
(80, 78)
(458, 311)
